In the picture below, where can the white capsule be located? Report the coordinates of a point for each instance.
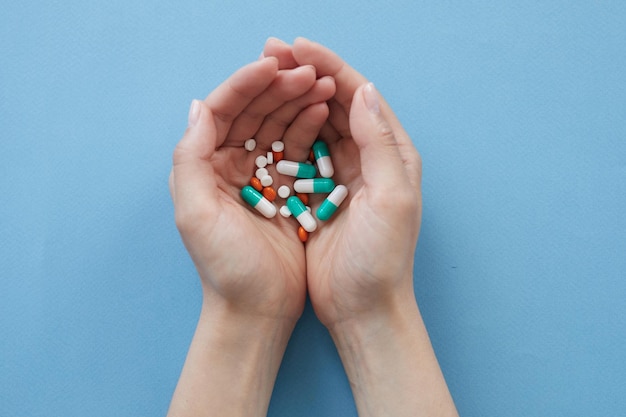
(314, 185)
(270, 158)
(325, 166)
(308, 208)
(261, 172)
(295, 169)
(322, 158)
(284, 191)
(278, 146)
(299, 211)
(249, 145)
(267, 180)
(285, 212)
(261, 161)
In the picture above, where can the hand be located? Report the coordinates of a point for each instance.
(246, 263)
(361, 261)
(252, 269)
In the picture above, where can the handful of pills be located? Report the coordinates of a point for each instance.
(261, 195)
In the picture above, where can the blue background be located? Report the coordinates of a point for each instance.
(518, 110)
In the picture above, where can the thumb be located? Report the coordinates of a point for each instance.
(192, 182)
(381, 161)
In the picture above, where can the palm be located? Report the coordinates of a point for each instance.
(245, 260)
(266, 259)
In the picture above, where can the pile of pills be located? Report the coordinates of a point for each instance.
(261, 194)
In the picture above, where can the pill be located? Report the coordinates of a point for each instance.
(314, 185)
(308, 208)
(249, 145)
(256, 200)
(332, 201)
(299, 211)
(303, 235)
(311, 156)
(269, 193)
(285, 212)
(303, 197)
(284, 191)
(256, 183)
(270, 158)
(267, 180)
(295, 169)
(278, 146)
(322, 157)
(261, 172)
(260, 161)
(278, 156)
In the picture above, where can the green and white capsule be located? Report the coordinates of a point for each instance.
(314, 185)
(299, 211)
(332, 202)
(322, 157)
(295, 169)
(256, 200)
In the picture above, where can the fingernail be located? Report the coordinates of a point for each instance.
(194, 113)
(370, 95)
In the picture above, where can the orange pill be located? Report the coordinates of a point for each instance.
(278, 156)
(269, 193)
(303, 235)
(256, 183)
(304, 198)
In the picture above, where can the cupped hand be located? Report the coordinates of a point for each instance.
(247, 263)
(360, 262)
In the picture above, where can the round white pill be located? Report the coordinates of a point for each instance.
(285, 212)
(249, 145)
(284, 191)
(278, 146)
(267, 180)
(261, 172)
(270, 158)
(261, 161)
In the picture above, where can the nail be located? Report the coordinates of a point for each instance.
(370, 95)
(194, 113)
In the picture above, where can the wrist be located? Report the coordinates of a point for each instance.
(232, 364)
(390, 363)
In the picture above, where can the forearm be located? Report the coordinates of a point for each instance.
(231, 366)
(391, 365)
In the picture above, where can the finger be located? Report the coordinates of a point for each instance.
(327, 62)
(281, 51)
(347, 80)
(288, 85)
(276, 123)
(231, 97)
(193, 178)
(381, 162)
(301, 134)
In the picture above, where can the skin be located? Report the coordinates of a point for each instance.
(357, 267)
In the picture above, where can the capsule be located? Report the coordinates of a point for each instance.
(256, 200)
(330, 204)
(295, 169)
(269, 193)
(256, 183)
(314, 185)
(303, 197)
(322, 157)
(299, 211)
(303, 235)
